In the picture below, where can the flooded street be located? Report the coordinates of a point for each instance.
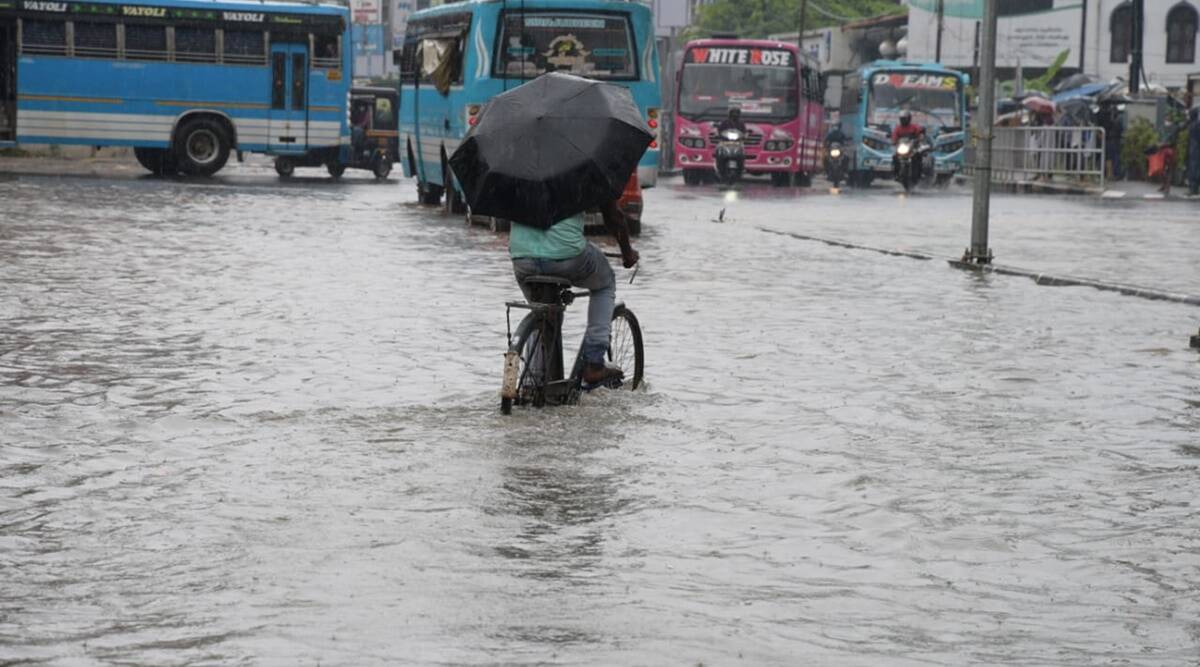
(243, 421)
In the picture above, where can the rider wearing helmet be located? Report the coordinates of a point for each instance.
(733, 121)
(906, 128)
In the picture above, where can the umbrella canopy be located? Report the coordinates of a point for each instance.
(1074, 81)
(1038, 105)
(551, 148)
(1088, 90)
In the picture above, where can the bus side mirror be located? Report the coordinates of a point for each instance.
(396, 56)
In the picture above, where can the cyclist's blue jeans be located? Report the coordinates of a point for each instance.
(591, 271)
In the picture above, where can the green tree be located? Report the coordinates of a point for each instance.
(759, 18)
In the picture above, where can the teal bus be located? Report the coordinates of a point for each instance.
(456, 57)
(873, 98)
(182, 82)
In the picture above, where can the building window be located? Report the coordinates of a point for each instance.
(1120, 27)
(1181, 34)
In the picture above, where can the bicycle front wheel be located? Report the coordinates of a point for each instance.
(529, 372)
(625, 350)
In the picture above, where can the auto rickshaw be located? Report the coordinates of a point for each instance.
(374, 139)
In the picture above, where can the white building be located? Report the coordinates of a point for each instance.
(1168, 42)
(1032, 33)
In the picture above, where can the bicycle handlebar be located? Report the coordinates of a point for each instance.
(635, 267)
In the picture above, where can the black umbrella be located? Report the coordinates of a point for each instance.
(551, 148)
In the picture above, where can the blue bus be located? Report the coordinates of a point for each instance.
(183, 82)
(872, 99)
(456, 57)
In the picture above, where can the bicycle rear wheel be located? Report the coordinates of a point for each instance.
(531, 366)
(625, 349)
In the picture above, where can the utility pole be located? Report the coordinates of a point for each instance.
(1137, 22)
(941, 14)
(800, 33)
(979, 253)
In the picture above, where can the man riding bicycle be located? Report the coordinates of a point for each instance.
(562, 251)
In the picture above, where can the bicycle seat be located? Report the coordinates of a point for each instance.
(546, 289)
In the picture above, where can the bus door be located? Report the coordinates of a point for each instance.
(289, 98)
(8, 80)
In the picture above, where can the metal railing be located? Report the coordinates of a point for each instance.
(1070, 155)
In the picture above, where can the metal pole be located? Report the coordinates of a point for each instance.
(1135, 38)
(941, 13)
(800, 33)
(979, 253)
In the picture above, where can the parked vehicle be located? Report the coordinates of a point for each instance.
(374, 143)
(457, 56)
(780, 95)
(837, 163)
(186, 83)
(873, 98)
(730, 156)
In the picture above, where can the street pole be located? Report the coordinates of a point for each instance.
(1135, 57)
(800, 33)
(941, 14)
(979, 253)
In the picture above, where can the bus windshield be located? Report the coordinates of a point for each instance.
(935, 100)
(760, 82)
(597, 46)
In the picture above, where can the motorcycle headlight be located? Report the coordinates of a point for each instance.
(836, 152)
(903, 149)
(731, 135)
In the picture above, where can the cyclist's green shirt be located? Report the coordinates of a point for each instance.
(563, 240)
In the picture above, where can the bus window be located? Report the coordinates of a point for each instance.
(95, 40)
(245, 47)
(441, 62)
(278, 79)
(707, 89)
(49, 37)
(326, 53)
(145, 42)
(195, 44)
(932, 99)
(598, 46)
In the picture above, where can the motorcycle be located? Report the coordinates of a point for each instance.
(837, 164)
(730, 156)
(911, 161)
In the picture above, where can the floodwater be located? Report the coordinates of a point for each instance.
(248, 422)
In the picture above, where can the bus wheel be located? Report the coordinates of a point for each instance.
(157, 161)
(336, 169)
(201, 147)
(285, 167)
(781, 179)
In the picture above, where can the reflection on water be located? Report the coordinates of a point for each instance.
(244, 422)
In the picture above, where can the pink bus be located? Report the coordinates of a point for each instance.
(780, 95)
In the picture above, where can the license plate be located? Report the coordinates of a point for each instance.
(732, 164)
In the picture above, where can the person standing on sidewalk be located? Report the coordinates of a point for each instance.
(1110, 120)
(1193, 151)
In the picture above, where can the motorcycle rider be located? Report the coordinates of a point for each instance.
(835, 136)
(905, 129)
(733, 122)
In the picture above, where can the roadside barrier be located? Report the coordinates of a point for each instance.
(1070, 155)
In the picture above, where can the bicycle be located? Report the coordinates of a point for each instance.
(533, 365)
